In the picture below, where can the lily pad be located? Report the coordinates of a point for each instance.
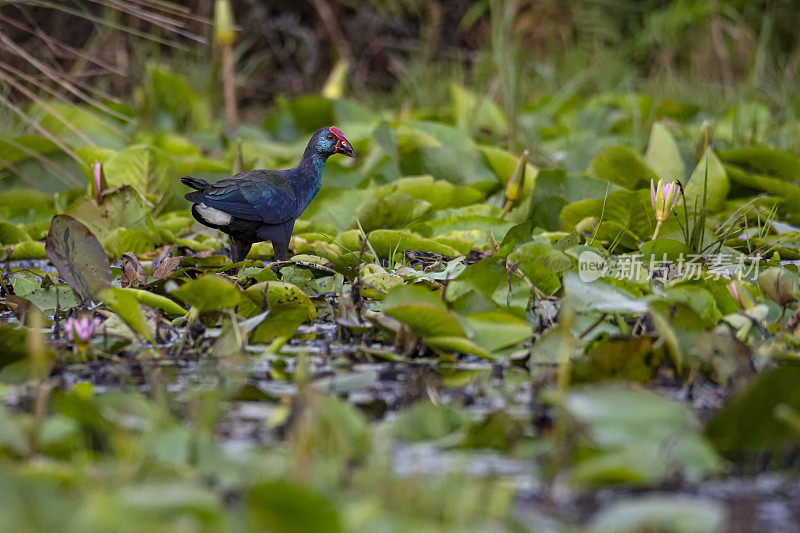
(209, 293)
(623, 166)
(638, 436)
(599, 296)
(125, 304)
(495, 330)
(78, 256)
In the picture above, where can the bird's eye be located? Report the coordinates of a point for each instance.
(330, 137)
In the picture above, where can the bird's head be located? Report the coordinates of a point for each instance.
(331, 141)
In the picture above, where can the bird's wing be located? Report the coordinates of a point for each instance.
(265, 195)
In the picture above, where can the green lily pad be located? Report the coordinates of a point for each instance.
(762, 160)
(288, 508)
(599, 296)
(457, 344)
(749, 424)
(123, 240)
(623, 166)
(630, 359)
(678, 514)
(638, 437)
(125, 304)
(426, 421)
(12, 234)
(388, 242)
(277, 295)
(209, 293)
(495, 330)
(628, 211)
(13, 344)
(78, 256)
(426, 319)
(28, 250)
(664, 250)
(156, 301)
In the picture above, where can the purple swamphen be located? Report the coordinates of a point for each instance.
(262, 205)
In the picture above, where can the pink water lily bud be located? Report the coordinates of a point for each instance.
(663, 196)
(81, 329)
(741, 295)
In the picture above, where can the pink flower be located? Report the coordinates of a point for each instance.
(663, 197)
(81, 329)
(742, 296)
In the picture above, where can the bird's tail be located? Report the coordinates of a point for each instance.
(195, 183)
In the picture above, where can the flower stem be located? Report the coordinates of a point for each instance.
(655, 233)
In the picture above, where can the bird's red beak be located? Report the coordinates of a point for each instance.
(343, 146)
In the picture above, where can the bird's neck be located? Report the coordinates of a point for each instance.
(310, 170)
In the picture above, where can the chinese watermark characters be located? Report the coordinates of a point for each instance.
(638, 267)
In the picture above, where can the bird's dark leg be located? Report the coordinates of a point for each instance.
(279, 249)
(239, 249)
(279, 235)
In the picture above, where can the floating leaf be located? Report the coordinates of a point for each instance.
(156, 301)
(28, 250)
(279, 322)
(749, 424)
(555, 189)
(453, 343)
(426, 421)
(625, 211)
(495, 330)
(128, 240)
(78, 256)
(762, 160)
(625, 359)
(279, 295)
(287, 508)
(209, 293)
(376, 284)
(600, 296)
(13, 345)
(623, 166)
(12, 234)
(426, 320)
(637, 436)
(498, 430)
(677, 514)
(125, 304)
(388, 242)
(664, 250)
(53, 296)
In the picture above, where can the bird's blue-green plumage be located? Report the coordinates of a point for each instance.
(271, 196)
(263, 204)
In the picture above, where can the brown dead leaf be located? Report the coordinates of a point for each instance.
(133, 273)
(165, 264)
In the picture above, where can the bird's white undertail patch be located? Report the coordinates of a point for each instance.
(213, 216)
